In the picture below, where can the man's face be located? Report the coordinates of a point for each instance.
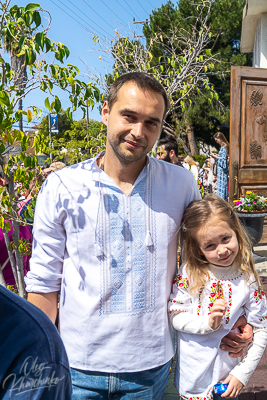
(163, 154)
(133, 123)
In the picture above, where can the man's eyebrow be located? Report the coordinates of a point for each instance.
(127, 110)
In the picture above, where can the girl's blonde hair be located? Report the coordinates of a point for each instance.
(189, 160)
(196, 216)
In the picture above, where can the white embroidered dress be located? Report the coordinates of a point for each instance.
(200, 362)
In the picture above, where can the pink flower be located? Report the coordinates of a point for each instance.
(211, 305)
(212, 294)
(262, 292)
(214, 284)
(230, 297)
(181, 284)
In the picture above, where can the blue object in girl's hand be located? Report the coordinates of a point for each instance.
(220, 388)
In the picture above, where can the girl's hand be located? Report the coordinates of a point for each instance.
(214, 155)
(217, 313)
(234, 387)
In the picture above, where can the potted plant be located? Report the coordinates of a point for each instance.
(250, 202)
(251, 210)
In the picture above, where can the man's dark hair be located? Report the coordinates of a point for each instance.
(143, 81)
(169, 144)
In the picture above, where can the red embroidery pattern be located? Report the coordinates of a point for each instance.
(227, 314)
(258, 294)
(199, 299)
(175, 301)
(213, 295)
(263, 318)
(208, 397)
(179, 281)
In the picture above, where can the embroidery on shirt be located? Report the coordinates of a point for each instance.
(179, 281)
(209, 396)
(199, 300)
(213, 296)
(227, 313)
(258, 294)
(128, 265)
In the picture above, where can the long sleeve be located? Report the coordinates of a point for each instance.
(49, 240)
(189, 323)
(245, 369)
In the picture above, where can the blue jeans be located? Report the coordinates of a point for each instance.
(218, 397)
(145, 385)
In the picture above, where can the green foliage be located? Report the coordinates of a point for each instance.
(76, 140)
(189, 49)
(24, 36)
(200, 158)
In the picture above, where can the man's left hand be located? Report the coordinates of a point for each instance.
(234, 343)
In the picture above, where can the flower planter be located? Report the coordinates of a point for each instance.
(253, 222)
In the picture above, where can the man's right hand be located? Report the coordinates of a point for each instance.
(217, 313)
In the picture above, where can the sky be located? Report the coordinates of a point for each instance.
(74, 22)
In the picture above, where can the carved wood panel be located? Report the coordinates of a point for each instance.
(248, 131)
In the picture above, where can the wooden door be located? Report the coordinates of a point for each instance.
(248, 131)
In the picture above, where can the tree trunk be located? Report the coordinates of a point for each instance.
(2, 279)
(19, 259)
(20, 77)
(20, 121)
(11, 257)
(190, 131)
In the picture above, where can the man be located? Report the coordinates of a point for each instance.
(168, 150)
(105, 234)
(34, 363)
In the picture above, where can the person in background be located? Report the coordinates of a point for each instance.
(34, 364)
(193, 166)
(222, 165)
(168, 150)
(55, 166)
(214, 184)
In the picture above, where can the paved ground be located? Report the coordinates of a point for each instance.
(256, 388)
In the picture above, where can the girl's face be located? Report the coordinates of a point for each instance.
(218, 242)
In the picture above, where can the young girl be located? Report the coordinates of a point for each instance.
(216, 286)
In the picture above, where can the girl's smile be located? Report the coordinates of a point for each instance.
(218, 242)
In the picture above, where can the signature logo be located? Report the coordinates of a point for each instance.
(32, 376)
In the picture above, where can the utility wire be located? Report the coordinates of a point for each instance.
(121, 7)
(151, 5)
(112, 11)
(141, 6)
(92, 10)
(131, 8)
(76, 19)
(82, 13)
